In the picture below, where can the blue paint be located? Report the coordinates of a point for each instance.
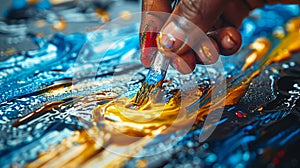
(60, 59)
(43, 4)
(18, 4)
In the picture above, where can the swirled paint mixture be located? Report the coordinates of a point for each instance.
(62, 99)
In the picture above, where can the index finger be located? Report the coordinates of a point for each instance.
(152, 22)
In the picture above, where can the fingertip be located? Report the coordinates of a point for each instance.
(229, 40)
(207, 52)
(184, 63)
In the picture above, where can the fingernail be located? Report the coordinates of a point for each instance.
(227, 42)
(182, 66)
(148, 36)
(148, 43)
(171, 38)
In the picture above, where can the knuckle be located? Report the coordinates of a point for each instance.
(191, 8)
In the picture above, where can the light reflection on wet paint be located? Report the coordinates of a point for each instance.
(40, 112)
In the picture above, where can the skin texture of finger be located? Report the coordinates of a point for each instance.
(185, 63)
(235, 12)
(202, 13)
(150, 26)
(255, 3)
(282, 1)
(156, 5)
(206, 52)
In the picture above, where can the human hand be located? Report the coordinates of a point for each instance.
(219, 19)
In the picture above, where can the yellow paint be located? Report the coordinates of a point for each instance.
(259, 48)
(40, 23)
(127, 130)
(125, 15)
(288, 45)
(103, 15)
(260, 108)
(10, 51)
(33, 1)
(150, 121)
(57, 2)
(206, 51)
(142, 163)
(59, 25)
